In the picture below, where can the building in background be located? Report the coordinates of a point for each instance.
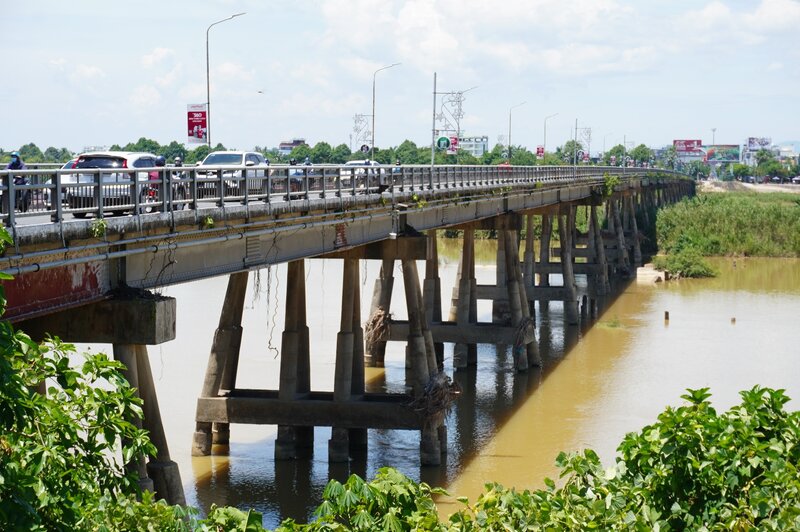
(285, 148)
(475, 146)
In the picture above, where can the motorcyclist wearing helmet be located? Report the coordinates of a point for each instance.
(161, 161)
(16, 162)
(178, 161)
(22, 198)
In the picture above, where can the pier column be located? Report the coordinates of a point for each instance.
(224, 357)
(526, 354)
(381, 299)
(501, 311)
(623, 262)
(161, 468)
(420, 359)
(126, 354)
(603, 285)
(637, 248)
(339, 444)
(463, 301)
(358, 436)
(432, 292)
(565, 224)
(544, 247)
(295, 364)
(529, 260)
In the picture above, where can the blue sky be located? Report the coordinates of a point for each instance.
(88, 72)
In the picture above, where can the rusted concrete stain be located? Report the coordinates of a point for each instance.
(37, 293)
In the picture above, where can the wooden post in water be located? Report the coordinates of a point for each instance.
(565, 223)
(339, 444)
(381, 299)
(295, 364)
(224, 357)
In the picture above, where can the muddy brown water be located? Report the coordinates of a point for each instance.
(728, 333)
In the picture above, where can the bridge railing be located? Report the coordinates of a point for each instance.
(30, 196)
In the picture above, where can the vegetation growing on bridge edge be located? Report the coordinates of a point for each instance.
(732, 223)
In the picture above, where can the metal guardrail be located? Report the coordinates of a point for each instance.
(79, 193)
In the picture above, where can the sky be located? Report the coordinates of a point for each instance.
(97, 73)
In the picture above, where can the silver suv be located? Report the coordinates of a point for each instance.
(112, 175)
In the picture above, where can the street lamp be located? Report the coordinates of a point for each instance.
(372, 147)
(509, 128)
(208, 80)
(544, 141)
(713, 136)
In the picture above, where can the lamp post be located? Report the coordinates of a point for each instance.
(372, 144)
(509, 128)
(544, 141)
(208, 80)
(713, 136)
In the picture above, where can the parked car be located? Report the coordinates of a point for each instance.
(116, 179)
(796, 180)
(231, 163)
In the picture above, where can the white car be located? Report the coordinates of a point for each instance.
(116, 176)
(366, 173)
(234, 166)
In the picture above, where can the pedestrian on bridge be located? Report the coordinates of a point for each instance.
(16, 162)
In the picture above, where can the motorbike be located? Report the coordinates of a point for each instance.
(22, 198)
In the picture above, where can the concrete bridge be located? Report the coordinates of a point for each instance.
(84, 279)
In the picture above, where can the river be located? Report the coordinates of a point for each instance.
(728, 333)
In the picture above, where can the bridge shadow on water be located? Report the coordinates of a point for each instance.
(492, 393)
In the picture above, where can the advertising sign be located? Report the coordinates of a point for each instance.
(540, 152)
(758, 143)
(722, 153)
(197, 120)
(684, 146)
(453, 147)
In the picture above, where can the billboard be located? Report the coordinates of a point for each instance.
(687, 146)
(197, 122)
(758, 143)
(452, 149)
(722, 153)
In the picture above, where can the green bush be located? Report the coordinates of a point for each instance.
(693, 469)
(732, 223)
(685, 263)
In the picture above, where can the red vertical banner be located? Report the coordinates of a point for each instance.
(197, 122)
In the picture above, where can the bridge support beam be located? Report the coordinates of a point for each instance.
(432, 293)
(544, 247)
(381, 301)
(603, 286)
(222, 362)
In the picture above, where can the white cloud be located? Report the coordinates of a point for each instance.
(157, 56)
(775, 65)
(144, 97)
(774, 15)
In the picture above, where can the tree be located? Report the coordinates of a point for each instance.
(569, 151)
(145, 145)
(299, 153)
(340, 154)
(641, 154)
(618, 152)
(408, 153)
(321, 153)
(172, 150)
(741, 171)
(31, 153)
